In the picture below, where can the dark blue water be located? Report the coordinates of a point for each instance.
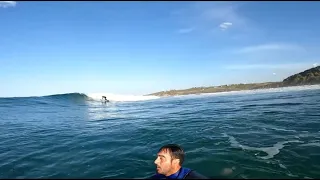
(257, 134)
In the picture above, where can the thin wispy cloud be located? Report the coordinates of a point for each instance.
(268, 47)
(185, 30)
(224, 14)
(5, 4)
(315, 64)
(267, 66)
(212, 15)
(225, 25)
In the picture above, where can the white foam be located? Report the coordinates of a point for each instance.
(306, 134)
(271, 151)
(218, 143)
(312, 144)
(292, 175)
(244, 176)
(120, 98)
(281, 129)
(282, 166)
(306, 177)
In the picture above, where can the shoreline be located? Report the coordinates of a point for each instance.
(226, 88)
(308, 77)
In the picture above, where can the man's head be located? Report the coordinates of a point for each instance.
(169, 159)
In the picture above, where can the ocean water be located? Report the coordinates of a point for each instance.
(259, 134)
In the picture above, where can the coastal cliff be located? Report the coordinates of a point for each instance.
(307, 77)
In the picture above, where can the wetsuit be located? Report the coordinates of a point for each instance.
(183, 173)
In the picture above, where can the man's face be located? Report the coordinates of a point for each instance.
(164, 163)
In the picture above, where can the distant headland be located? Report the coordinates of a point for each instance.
(307, 77)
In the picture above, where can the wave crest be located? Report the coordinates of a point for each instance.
(119, 97)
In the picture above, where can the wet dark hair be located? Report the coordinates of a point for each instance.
(176, 152)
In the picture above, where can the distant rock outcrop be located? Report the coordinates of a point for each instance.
(307, 77)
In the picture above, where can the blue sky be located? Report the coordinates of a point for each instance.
(143, 47)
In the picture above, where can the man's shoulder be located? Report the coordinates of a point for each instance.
(157, 176)
(195, 175)
(185, 173)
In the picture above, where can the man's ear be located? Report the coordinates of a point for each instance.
(176, 161)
